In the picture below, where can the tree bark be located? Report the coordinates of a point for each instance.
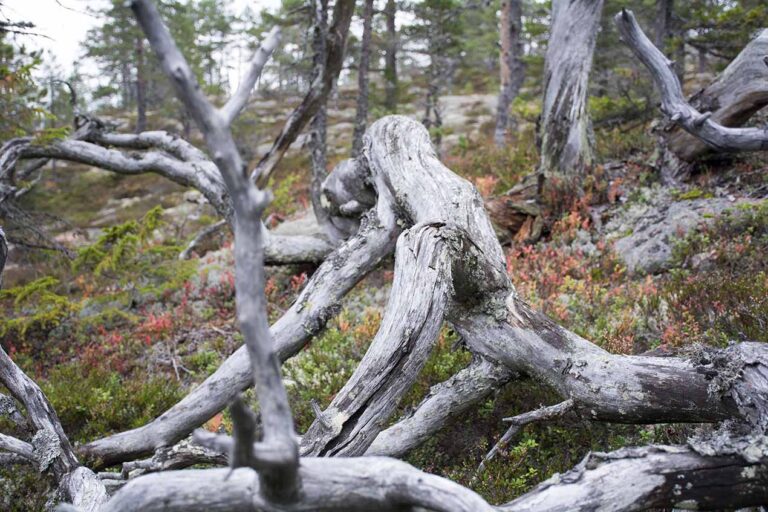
(390, 58)
(141, 88)
(361, 115)
(317, 94)
(566, 147)
(512, 70)
(663, 26)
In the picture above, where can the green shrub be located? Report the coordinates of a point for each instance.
(92, 401)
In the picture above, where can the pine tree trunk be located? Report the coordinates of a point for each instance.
(361, 116)
(319, 125)
(141, 88)
(390, 59)
(663, 25)
(510, 64)
(565, 127)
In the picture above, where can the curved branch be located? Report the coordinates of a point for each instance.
(199, 174)
(366, 483)
(411, 324)
(673, 102)
(316, 304)
(318, 92)
(232, 108)
(446, 400)
(50, 447)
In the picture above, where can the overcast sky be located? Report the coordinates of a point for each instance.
(65, 22)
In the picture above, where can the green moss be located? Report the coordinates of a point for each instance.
(694, 193)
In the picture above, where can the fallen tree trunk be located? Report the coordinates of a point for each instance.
(653, 477)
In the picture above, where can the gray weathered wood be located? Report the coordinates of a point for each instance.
(518, 422)
(673, 103)
(317, 94)
(737, 93)
(444, 401)
(279, 482)
(654, 477)
(366, 483)
(49, 449)
(409, 329)
(565, 131)
(239, 99)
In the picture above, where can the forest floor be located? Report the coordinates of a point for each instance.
(118, 333)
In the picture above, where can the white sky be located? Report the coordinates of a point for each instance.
(65, 22)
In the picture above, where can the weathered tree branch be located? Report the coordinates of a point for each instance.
(366, 483)
(280, 482)
(317, 94)
(738, 92)
(673, 103)
(410, 326)
(237, 102)
(49, 447)
(653, 477)
(445, 401)
(543, 414)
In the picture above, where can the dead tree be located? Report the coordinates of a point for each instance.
(48, 448)
(170, 156)
(317, 94)
(731, 100)
(566, 147)
(449, 267)
(512, 69)
(701, 125)
(452, 269)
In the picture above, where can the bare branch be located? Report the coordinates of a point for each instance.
(13, 445)
(673, 101)
(366, 483)
(279, 483)
(446, 400)
(50, 445)
(179, 456)
(542, 414)
(232, 108)
(318, 92)
(411, 323)
(316, 304)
